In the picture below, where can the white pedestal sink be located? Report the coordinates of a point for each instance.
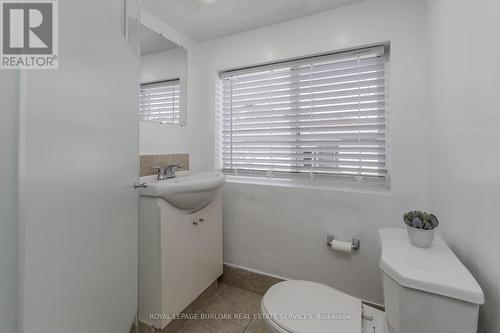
(189, 191)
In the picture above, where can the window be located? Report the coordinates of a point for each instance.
(160, 102)
(316, 117)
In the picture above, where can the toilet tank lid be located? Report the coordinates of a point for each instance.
(435, 270)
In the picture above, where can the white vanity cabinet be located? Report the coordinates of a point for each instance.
(180, 255)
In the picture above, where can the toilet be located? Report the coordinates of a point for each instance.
(425, 291)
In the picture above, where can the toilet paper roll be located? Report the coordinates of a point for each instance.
(342, 246)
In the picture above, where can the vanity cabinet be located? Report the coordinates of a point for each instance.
(180, 255)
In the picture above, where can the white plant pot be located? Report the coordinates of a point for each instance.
(421, 238)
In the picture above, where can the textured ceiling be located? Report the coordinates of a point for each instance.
(152, 41)
(207, 19)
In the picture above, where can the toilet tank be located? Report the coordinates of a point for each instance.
(426, 290)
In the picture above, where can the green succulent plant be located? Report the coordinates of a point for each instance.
(421, 220)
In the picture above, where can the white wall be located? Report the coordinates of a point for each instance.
(8, 199)
(465, 136)
(156, 138)
(283, 231)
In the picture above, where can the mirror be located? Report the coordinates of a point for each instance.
(163, 95)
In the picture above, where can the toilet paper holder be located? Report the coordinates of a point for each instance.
(356, 243)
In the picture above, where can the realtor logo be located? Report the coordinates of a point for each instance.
(29, 34)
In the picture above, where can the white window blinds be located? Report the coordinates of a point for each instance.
(160, 102)
(322, 115)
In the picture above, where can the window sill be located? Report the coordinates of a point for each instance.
(331, 185)
(182, 124)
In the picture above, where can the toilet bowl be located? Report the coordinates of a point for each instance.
(425, 291)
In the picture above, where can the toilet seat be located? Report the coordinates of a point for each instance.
(308, 307)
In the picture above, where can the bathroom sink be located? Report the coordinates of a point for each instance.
(189, 191)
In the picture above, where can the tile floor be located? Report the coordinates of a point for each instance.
(238, 308)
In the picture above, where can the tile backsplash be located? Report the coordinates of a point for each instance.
(147, 162)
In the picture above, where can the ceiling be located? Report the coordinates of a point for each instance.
(207, 19)
(152, 41)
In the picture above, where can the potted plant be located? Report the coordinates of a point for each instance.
(421, 228)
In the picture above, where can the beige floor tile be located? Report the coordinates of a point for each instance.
(237, 305)
(144, 329)
(256, 326)
(254, 282)
(210, 326)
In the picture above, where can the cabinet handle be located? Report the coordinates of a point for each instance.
(195, 222)
(201, 219)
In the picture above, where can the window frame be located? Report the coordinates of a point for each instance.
(303, 179)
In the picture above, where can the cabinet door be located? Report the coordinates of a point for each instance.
(179, 259)
(209, 243)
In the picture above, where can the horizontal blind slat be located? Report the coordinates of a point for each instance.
(337, 111)
(288, 83)
(349, 104)
(345, 168)
(288, 121)
(306, 101)
(283, 149)
(307, 155)
(307, 74)
(285, 70)
(305, 96)
(367, 116)
(296, 89)
(306, 130)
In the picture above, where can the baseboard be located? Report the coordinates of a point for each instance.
(255, 271)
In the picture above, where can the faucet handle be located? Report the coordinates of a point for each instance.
(172, 166)
(170, 170)
(157, 169)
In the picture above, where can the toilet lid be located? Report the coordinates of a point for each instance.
(310, 307)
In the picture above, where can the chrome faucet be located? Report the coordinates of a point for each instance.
(168, 172)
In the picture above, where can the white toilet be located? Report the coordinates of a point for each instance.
(425, 291)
